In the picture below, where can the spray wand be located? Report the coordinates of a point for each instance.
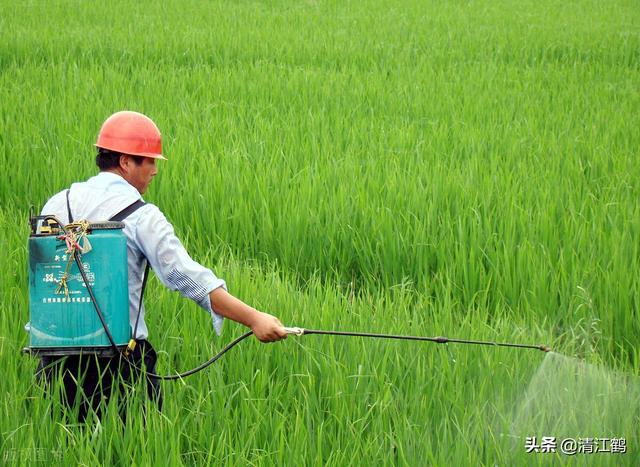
(439, 339)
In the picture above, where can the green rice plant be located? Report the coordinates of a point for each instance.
(437, 168)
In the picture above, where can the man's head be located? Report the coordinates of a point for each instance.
(137, 170)
(129, 144)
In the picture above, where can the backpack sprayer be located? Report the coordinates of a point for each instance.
(72, 271)
(78, 291)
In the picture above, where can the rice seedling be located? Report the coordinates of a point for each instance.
(464, 169)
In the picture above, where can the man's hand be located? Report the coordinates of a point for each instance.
(265, 327)
(268, 328)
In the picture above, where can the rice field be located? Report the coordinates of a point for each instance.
(463, 168)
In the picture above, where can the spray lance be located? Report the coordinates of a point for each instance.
(438, 340)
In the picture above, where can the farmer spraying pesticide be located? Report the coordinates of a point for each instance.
(90, 254)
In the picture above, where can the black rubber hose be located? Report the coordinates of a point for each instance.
(198, 368)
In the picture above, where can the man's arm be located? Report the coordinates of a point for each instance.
(265, 327)
(156, 239)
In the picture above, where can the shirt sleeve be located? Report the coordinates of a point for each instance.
(171, 263)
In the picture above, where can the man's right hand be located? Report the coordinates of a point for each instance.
(265, 327)
(268, 328)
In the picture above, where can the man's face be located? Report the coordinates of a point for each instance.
(139, 175)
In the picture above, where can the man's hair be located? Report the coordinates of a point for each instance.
(107, 159)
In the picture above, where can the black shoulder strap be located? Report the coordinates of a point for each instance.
(69, 209)
(126, 212)
(122, 215)
(144, 286)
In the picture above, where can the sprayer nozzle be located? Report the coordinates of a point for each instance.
(544, 348)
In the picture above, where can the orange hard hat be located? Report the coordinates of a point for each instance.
(131, 133)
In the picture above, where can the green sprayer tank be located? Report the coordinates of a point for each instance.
(63, 318)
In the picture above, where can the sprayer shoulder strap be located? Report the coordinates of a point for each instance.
(69, 209)
(144, 286)
(126, 212)
(122, 215)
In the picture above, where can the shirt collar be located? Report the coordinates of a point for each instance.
(116, 181)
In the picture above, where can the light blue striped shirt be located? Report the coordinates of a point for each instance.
(149, 235)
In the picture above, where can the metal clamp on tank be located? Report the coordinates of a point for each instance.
(43, 225)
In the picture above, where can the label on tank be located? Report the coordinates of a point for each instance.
(51, 286)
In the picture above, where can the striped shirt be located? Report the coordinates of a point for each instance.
(150, 237)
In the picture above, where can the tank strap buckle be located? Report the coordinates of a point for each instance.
(130, 346)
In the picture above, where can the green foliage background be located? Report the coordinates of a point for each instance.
(466, 168)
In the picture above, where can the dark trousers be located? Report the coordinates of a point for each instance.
(90, 381)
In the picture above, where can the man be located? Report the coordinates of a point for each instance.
(129, 144)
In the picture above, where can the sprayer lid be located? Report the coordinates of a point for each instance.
(106, 225)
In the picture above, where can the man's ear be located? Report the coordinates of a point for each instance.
(124, 163)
